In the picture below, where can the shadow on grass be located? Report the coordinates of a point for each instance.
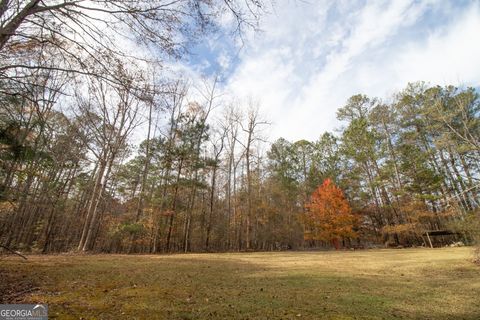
(197, 287)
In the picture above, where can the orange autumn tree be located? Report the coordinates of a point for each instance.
(329, 217)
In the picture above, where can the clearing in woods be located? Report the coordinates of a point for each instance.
(371, 284)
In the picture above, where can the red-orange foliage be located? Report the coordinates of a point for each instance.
(329, 216)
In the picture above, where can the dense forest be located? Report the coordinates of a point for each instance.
(102, 151)
(208, 181)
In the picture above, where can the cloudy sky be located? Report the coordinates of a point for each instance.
(312, 55)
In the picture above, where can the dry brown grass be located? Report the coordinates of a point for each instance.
(373, 284)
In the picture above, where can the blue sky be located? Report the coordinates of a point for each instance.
(312, 55)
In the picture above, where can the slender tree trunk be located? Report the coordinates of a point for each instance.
(93, 203)
(174, 207)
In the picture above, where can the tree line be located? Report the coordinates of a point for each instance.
(205, 179)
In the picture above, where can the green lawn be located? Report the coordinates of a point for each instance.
(372, 284)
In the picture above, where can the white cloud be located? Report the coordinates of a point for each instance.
(312, 57)
(446, 58)
(224, 60)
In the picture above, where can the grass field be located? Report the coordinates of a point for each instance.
(375, 284)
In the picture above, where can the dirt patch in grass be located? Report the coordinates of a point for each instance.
(379, 284)
(14, 285)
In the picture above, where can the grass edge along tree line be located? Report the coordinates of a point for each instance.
(73, 182)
